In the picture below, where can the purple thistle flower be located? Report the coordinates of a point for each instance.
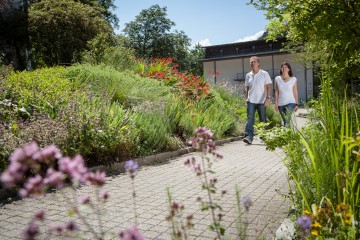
(132, 233)
(304, 223)
(246, 202)
(132, 167)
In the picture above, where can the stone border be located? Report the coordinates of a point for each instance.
(158, 158)
(143, 161)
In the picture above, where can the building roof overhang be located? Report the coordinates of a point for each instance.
(244, 49)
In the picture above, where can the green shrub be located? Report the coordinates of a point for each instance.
(43, 90)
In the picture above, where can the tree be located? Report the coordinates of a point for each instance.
(104, 6)
(328, 31)
(15, 27)
(14, 39)
(61, 29)
(149, 35)
(192, 64)
(109, 50)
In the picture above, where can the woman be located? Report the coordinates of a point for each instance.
(286, 93)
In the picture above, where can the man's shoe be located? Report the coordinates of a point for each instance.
(247, 140)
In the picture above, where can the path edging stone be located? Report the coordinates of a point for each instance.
(142, 161)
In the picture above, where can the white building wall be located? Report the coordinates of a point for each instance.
(230, 71)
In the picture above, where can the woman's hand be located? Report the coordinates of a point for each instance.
(276, 107)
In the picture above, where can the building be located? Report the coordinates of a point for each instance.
(228, 65)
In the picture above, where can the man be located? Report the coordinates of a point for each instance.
(257, 94)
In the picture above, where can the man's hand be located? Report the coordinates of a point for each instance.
(267, 102)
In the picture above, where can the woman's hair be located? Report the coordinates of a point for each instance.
(288, 65)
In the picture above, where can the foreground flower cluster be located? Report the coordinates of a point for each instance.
(37, 170)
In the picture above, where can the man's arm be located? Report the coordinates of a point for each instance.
(267, 100)
(246, 92)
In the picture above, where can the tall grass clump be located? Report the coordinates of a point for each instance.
(126, 88)
(323, 162)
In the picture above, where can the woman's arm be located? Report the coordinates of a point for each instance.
(296, 96)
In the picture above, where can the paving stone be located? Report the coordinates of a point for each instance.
(257, 173)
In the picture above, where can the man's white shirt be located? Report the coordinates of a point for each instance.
(257, 86)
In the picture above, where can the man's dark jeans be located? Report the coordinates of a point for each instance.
(250, 111)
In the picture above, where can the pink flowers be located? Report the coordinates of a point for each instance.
(204, 142)
(132, 233)
(26, 164)
(35, 170)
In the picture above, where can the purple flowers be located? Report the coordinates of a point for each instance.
(246, 202)
(132, 167)
(304, 223)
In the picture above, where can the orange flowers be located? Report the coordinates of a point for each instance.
(165, 70)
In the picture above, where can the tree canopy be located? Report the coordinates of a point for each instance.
(151, 37)
(327, 31)
(59, 29)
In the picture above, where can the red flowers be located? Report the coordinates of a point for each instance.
(165, 70)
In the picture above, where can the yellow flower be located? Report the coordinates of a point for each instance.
(316, 224)
(347, 221)
(315, 233)
(307, 212)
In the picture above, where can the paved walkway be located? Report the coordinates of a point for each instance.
(258, 173)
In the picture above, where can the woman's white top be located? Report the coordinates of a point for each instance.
(286, 90)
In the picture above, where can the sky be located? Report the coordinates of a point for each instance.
(207, 22)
